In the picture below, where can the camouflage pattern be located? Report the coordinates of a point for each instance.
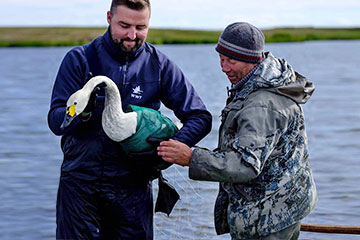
(261, 161)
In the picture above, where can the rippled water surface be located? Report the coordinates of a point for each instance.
(30, 155)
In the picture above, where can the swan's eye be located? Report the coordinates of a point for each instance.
(75, 103)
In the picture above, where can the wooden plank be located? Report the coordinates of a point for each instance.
(340, 229)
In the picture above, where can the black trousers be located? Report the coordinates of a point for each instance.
(100, 210)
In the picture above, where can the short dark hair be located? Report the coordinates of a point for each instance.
(132, 4)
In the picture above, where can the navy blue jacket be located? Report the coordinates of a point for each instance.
(144, 78)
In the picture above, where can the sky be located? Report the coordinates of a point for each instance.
(188, 14)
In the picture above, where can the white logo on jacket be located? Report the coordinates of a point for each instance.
(137, 93)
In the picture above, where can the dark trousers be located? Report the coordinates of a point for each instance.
(93, 210)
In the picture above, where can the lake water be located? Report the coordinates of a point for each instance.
(30, 155)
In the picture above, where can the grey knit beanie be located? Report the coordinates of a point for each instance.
(242, 41)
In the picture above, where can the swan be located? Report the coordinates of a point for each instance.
(130, 128)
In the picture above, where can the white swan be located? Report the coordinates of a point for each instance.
(117, 125)
(130, 129)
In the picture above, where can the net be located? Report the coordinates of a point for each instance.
(192, 216)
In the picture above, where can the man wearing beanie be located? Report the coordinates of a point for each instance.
(266, 184)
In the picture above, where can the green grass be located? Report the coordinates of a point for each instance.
(171, 36)
(47, 36)
(72, 36)
(311, 34)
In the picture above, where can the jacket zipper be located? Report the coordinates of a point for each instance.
(125, 69)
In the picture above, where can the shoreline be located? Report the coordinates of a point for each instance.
(73, 36)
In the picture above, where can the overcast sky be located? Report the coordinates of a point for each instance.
(187, 14)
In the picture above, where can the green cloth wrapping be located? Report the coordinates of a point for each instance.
(150, 123)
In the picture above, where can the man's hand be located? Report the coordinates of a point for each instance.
(92, 100)
(174, 151)
(91, 103)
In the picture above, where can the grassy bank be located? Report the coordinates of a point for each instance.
(71, 36)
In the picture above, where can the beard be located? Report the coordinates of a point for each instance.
(119, 43)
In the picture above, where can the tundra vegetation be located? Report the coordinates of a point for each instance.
(71, 36)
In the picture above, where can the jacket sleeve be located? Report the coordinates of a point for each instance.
(258, 132)
(179, 95)
(70, 78)
(220, 167)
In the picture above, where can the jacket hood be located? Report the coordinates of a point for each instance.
(300, 90)
(278, 76)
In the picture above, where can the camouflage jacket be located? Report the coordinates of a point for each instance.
(261, 161)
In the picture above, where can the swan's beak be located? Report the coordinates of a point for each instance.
(69, 116)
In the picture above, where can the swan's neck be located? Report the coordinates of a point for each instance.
(112, 94)
(116, 124)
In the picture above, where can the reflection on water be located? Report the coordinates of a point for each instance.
(30, 156)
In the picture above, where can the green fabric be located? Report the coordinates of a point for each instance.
(150, 123)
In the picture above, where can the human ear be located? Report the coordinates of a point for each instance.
(108, 17)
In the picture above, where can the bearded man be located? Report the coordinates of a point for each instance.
(103, 193)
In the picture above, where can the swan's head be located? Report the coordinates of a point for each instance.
(77, 103)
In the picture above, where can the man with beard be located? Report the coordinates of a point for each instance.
(103, 193)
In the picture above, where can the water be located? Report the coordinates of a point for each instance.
(30, 155)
